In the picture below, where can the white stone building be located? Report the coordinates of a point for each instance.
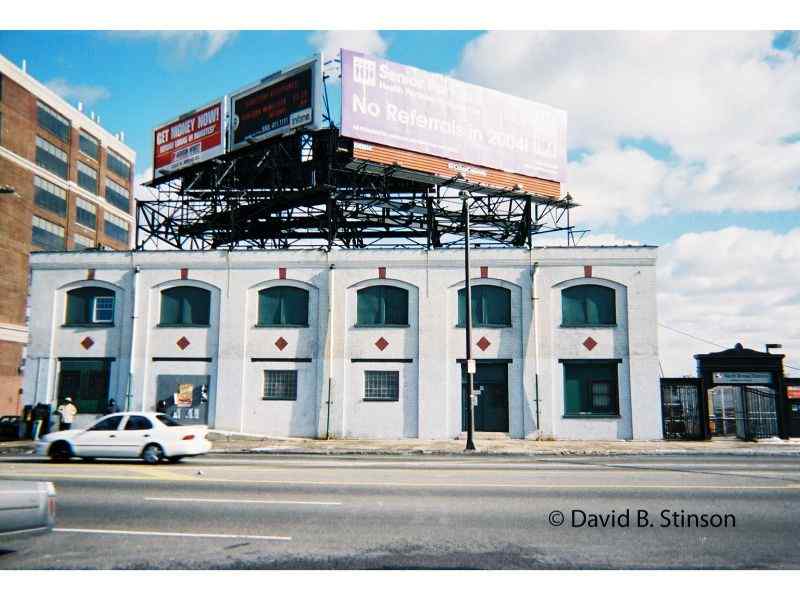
(353, 343)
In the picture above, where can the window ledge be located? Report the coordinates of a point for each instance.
(88, 326)
(386, 326)
(180, 326)
(380, 400)
(278, 399)
(487, 326)
(590, 416)
(260, 326)
(589, 326)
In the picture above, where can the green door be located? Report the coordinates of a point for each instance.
(85, 380)
(491, 413)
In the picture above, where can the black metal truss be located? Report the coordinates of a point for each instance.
(306, 190)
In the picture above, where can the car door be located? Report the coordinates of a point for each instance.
(132, 436)
(98, 440)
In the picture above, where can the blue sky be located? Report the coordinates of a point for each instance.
(690, 141)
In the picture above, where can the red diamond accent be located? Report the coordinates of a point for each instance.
(87, 342)
(589, 343)
(381, 344)
(281, 343)
(183, 343)
(483, 344)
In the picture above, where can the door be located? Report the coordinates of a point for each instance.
(680, 409)
(722, 409)
(793, 398)
(491, 413)
(86, 382)
(132, 437)
(100, 440)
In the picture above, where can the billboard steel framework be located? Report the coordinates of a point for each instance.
(306, 190)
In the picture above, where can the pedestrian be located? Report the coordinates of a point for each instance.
(111, 407)
(68, 411)
(161, 406)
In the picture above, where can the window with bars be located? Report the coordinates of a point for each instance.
(86, 213)
(381, 386)
(382, 305)
(47, 235)
(49, 196)
(52, 121)
(87, 177)
(280, 385)
(117, 195)
(81, 242)
(283, 305)
(587, 305)
(118, 165)
(116, 228)
(491, 306)
(51, 158)
(89, 146)
(591, 388)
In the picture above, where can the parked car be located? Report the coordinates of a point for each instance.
(9, 427)
(150, 436)
(26, 508)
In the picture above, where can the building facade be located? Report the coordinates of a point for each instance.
(67, 184)
(354, 343)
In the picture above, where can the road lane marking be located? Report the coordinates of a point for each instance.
(174, 534)
(433, 484)
(236, 501)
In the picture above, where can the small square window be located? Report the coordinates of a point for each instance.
(280, 385)
(104, 309)
(381, 386)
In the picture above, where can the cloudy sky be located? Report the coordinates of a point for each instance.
(687, 140)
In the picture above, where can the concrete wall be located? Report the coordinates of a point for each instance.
(235, 351)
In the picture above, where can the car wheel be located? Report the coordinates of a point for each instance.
(152, 454)
(60, 452)
(175, 459)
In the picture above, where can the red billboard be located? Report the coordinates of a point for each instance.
(193, 137)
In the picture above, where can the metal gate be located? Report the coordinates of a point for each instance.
(756, 417)
(680, 409)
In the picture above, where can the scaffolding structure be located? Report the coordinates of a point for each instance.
(306, 190)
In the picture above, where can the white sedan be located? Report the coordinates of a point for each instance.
(150, 436)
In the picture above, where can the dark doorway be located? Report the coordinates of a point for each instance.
(491, 413)
(793, 400)
(185, 397)
(85, 380)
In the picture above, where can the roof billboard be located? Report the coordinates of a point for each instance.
(404, 107)
(194, 137)
(277, 104)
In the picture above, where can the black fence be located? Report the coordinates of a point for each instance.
(756, 415)
(680, 409)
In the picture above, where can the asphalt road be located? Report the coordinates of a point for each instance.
(247, 511)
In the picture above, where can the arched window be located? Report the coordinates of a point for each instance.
(382, 305)
(491, 306)
(185, 305)
(588, 305)
(283, 305)
(90, 306)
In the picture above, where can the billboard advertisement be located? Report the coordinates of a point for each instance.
(277, 104)
(404, 107)
(193, 137)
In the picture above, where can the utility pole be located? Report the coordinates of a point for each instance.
(469, 364)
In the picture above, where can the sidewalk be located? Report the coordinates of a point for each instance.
(491, 446)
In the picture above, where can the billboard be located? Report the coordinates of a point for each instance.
(277, 104)
(404, 107)
(194, 137)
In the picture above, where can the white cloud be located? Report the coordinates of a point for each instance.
(728, 286)
(181, 46)
(367, 41)
(722, 101)
(140, 191)
(88, 94)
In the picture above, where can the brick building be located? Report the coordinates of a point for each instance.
(65, 184)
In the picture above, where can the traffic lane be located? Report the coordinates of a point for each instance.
(501, 526)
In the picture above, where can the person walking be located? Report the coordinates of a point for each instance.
(68, 411)
(111, 408)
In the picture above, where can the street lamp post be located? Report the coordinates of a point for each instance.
(468, 330)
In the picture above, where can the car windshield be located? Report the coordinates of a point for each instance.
(168, 421)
